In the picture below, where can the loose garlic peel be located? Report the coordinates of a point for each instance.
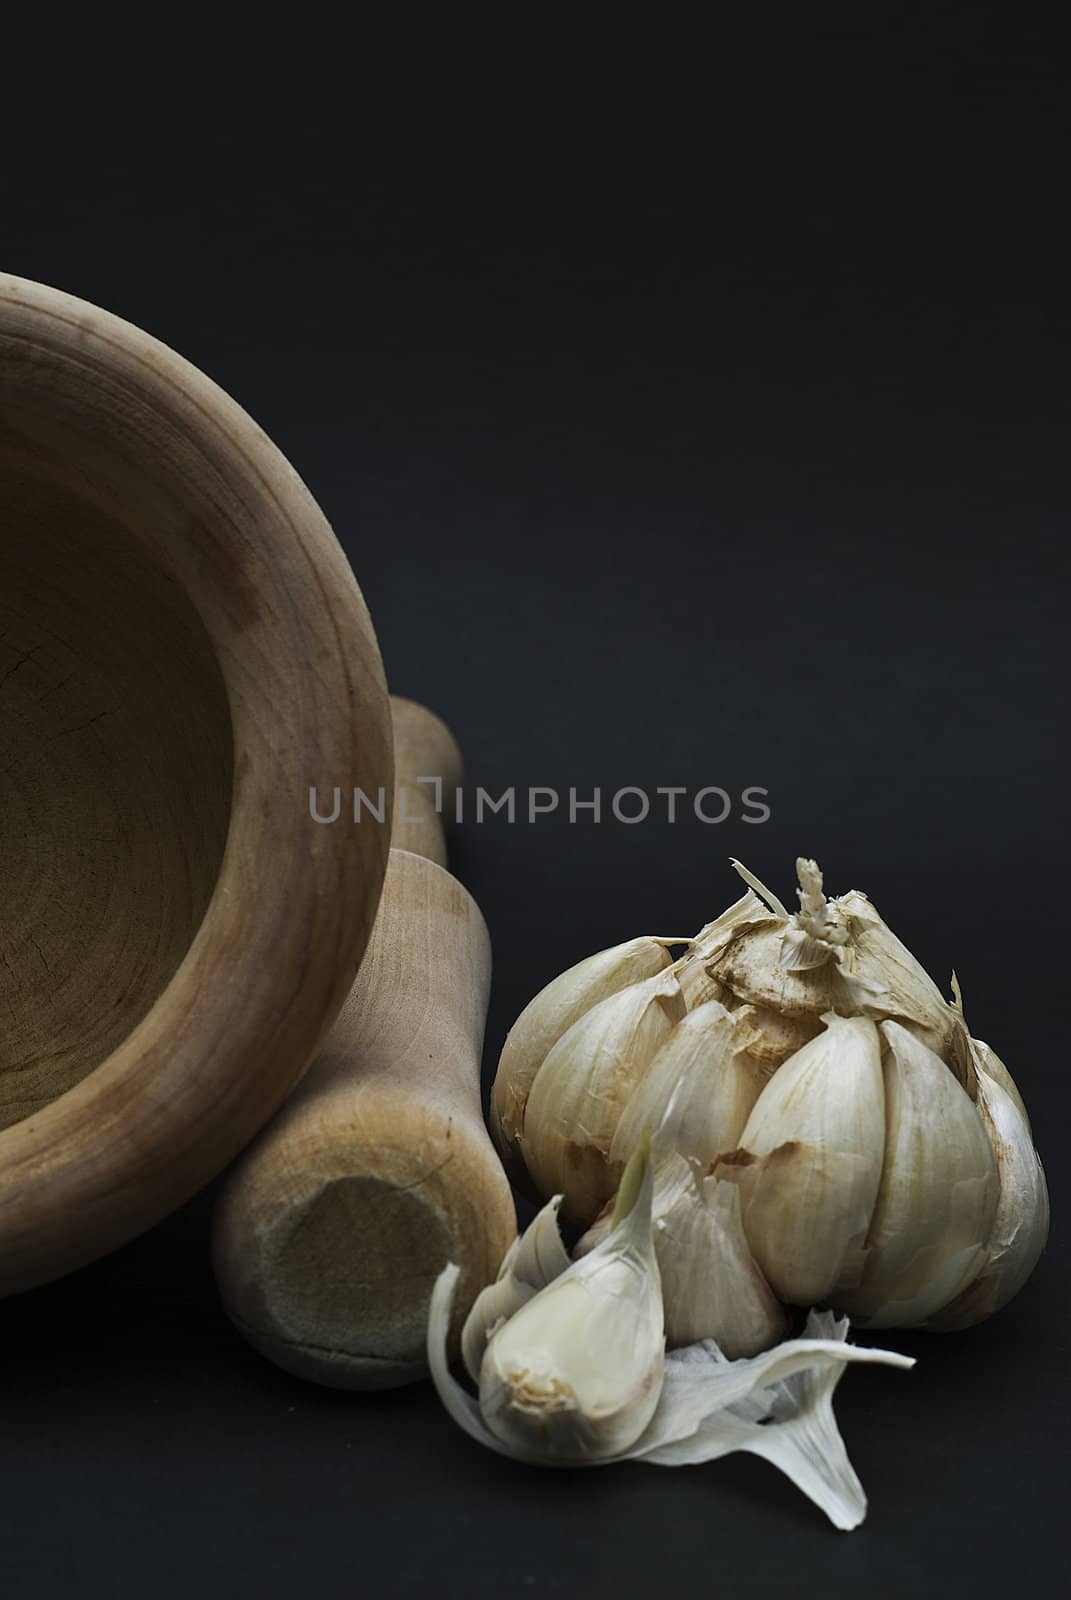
(885, 1164)
(578, 1376)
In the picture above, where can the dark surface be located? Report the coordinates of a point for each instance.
(694, 410)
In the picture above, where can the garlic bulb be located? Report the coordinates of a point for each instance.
(577, 1371)
(883, 1158)
(577, 1376)
(583, 1086)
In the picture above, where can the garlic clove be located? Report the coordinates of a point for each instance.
(531, 1262)
(699, 1089)
(778, 1405)
(938, 1193)
(809, 1162)
(1021, 1222)
(712, 1287)
(546, 1018)
(576, 1373)
(582, 1088)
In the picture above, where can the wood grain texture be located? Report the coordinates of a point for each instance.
(331, 1229)
(424, 749)
(183, 652)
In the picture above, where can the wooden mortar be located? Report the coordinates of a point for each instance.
(332, 1228)
(183, 652)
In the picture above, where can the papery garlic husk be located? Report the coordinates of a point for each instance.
(532, 1261)
(548, 1016)
(712, 1287)
(938, 1194)
(1021, 1222)
(583, 1086)
(698, 1090)
(776, 1405)
(576, 1373)
(836, 955)
(709, 941)
(809, 1163)
(774, 1036)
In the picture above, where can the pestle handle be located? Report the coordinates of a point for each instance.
(331, 1229)
(428, 769)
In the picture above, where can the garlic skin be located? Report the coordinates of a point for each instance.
(785, 1416)
(583, 1086)
(698, 1090)
(576, 1373)
(810, 1160)
(938, 1193)
(697, 985)
(546, 1018)
(1020, 1225)
(712, 1287)
(835, 955)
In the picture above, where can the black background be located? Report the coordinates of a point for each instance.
(690, 393)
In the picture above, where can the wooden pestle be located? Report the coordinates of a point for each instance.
(331, 1229)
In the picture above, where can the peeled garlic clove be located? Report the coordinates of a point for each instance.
(531, 1262)
(698, 1091)
(575, 1374)
(582, 1088)
(1021, 1222)
(938, 1193)
(809, 1162)
(546, 1018)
